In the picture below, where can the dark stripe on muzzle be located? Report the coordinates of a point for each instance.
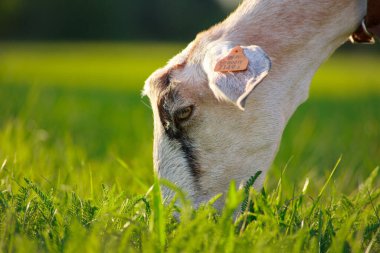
(188, 150)
(191, 157)
(174, 131)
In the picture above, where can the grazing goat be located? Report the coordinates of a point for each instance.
(221, 105)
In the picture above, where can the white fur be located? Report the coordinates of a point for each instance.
(232, 144)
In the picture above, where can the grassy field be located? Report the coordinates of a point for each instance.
(76, 169)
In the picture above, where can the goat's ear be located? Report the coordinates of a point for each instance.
(237, 82)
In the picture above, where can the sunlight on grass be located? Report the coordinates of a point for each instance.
(122, 66)
(347, 75)
(76, 161)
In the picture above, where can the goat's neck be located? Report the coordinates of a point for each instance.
(297, 35)
(285, 26)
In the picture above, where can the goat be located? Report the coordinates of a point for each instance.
(215, 122)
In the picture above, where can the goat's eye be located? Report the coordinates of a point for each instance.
(183, 113)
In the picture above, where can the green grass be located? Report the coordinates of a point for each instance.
(76, 169)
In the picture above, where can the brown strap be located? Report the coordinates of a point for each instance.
(371, 23)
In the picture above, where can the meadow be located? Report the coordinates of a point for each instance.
(76, 169)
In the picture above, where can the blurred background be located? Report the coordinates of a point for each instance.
(71, 72)
(108, 20)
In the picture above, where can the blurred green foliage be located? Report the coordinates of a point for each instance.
(106, 20)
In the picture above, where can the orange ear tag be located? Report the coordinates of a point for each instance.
(233, 62)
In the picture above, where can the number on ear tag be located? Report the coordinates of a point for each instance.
(235, 61)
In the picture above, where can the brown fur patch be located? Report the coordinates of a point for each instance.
(162, 80)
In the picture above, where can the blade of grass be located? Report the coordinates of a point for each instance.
(125, 166)
(324, 187)
(158, 222)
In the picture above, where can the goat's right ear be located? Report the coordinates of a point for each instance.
(237, 82)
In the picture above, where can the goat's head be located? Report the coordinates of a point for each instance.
(212, 127)
(203, 136)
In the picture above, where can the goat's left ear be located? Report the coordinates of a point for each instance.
(230, 77)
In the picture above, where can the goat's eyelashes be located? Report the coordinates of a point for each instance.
(184, 113)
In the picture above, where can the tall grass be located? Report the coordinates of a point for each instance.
(76, 171)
